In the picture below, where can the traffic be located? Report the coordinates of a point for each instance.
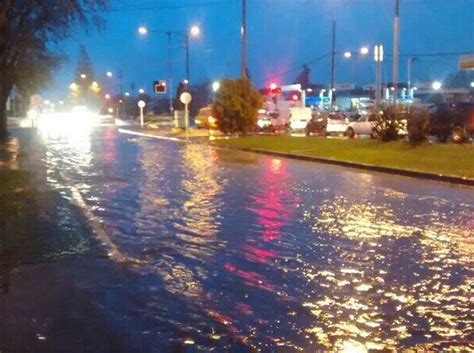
(284, 113)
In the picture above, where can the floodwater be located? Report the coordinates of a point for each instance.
(225, 251)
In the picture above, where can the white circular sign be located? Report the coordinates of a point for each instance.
(141, 104)
(185, 98)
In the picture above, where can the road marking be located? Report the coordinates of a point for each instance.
(136, 133)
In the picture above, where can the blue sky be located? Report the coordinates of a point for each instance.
(282, 35)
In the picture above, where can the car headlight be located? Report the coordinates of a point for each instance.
(211, 120)
(261, 123)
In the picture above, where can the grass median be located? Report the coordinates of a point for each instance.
(437, 158)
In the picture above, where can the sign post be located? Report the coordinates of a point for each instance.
(141, 105)
(378, 57)
(186, 98)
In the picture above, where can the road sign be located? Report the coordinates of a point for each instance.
(290, 88)
(159, 86)
(344, 86)
(185, 98)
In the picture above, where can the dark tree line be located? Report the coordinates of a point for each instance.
(29, 30)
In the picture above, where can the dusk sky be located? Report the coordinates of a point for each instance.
(282, 35)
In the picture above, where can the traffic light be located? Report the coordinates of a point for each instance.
(159, 86)
(275, 89)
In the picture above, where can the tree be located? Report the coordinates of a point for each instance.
(85, 89)
(29, 30)
(237, 104)
(303, 77)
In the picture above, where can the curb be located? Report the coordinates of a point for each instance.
(388, 170)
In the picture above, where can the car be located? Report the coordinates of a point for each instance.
(298, 119)
(318, 122)
(366, 125)
(454, 121)
(271, 121)
(337, 123)
(206, 118)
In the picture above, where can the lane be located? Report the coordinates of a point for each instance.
(230, 249)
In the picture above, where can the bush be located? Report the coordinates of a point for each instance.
(418, 125)
(237, 104)
(388, 122)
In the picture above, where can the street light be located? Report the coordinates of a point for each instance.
(195, 31)
(83, 76)
(364, 51)
(472, 84)
(141, 91)
(109, 74)
(347, 54)
(437, 85)
(215, 86)
(127, 94)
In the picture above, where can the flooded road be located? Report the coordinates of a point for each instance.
(215, 250)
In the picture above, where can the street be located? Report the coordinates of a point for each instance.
(188, 248)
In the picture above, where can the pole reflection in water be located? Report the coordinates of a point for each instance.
(245, 252)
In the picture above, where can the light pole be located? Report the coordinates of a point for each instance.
(194, 31)
(363, 51)
(409, 67)
(396, 44)
(215, 87)
(243, 33)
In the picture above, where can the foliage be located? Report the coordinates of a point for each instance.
(418, 125)
(237, 104)
(303, 77)
(388, 122)
(29, 32)
(85, 89)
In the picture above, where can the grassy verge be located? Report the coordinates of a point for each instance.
(447, 159)
(19, 208)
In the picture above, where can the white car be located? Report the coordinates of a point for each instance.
(366, 125)
(299, 118)
(271, 121)
(337, 123)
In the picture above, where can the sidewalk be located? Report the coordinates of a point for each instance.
(48, 259)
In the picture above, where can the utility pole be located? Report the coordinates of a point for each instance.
(243, 32)
(187, 57)
(409, 67)
(396, 43)
(333, 62)
(170, 74)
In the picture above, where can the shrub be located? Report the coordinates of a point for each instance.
(388, 122)
(418, 124)
(237, 104)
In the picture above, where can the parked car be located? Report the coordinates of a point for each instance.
(298, 119)
(271, 122)
(317, 124)
(337, 123)
(365, 125)
(455, 121)
(206, 118)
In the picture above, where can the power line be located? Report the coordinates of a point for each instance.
(170, 7)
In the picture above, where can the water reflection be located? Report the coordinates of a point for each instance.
(249, 253)
(395, 282)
